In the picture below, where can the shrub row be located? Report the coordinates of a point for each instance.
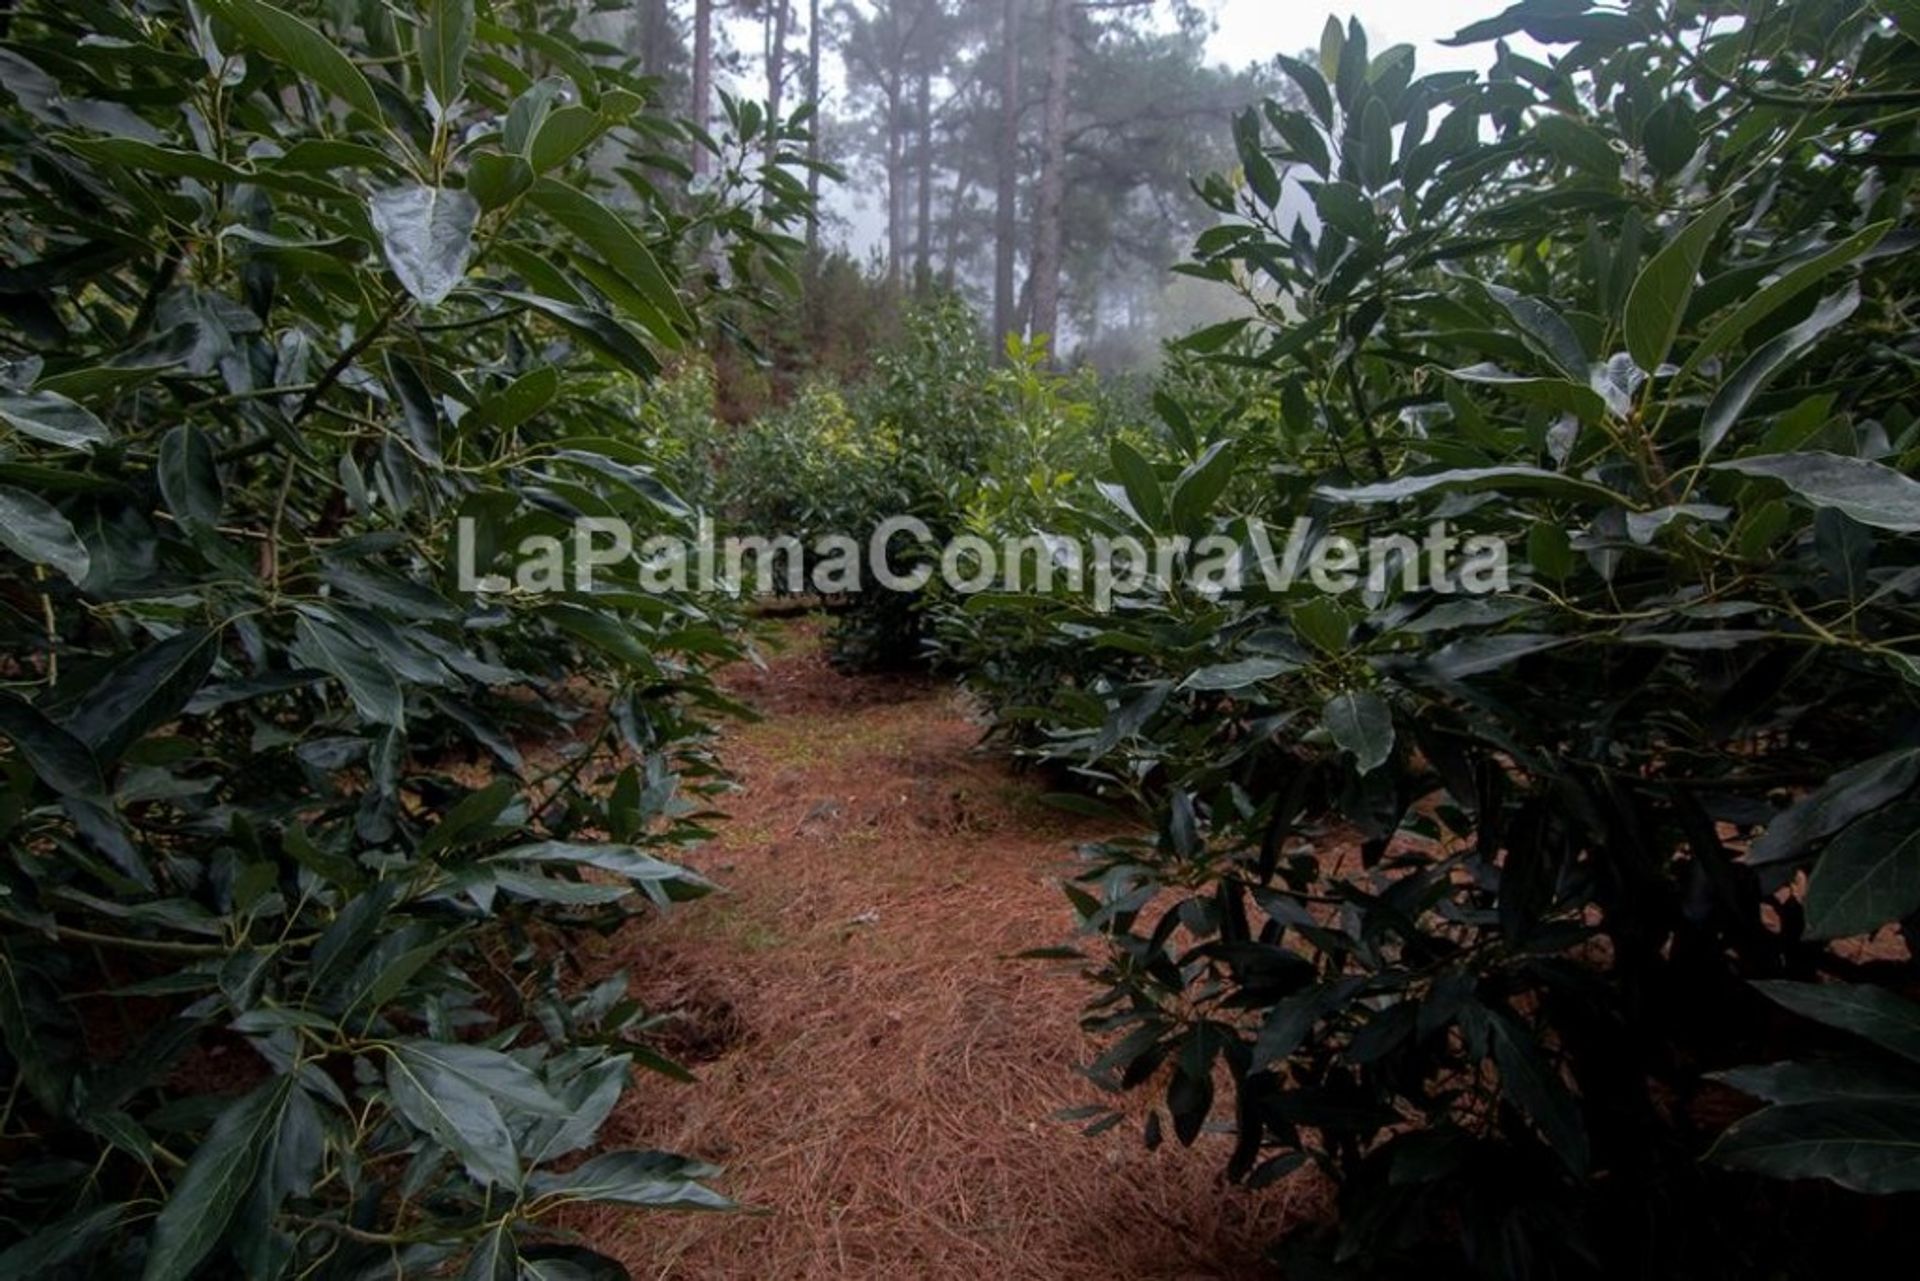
(1505, 911)
(302, 839)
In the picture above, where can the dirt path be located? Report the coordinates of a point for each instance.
(877, 1072)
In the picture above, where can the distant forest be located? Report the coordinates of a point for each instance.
(1036, 155)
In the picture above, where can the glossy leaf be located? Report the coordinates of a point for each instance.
(446, 32)
(289, 39)
(1777, 293)
(1869, 492)
(1868, 875)
(1733, 397)
(1236, 675)
(60, 758)
(51, 417)
(498, 178)
(1889, 1021)
(597, 329)
(1845, 797)
(198, 1213)
(426, 234)
(656, 306)
(1658, 302)
(1361, 723)
(457, 1114)
(1871, 1147)
(34, 530)
(654, 1179)
(143, 692)
(190, 477)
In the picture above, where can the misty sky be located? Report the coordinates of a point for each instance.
(1248, 31)
(1256, 29)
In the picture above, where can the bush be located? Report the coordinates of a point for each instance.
(915, 439)
(673, 423)
(1487, 905)
(805, 469)
(299, 826)
(938, 433)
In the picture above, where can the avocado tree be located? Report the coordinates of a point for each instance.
(309, 316)
(1487, 904)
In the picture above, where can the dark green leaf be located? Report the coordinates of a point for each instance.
(1546, 331)
(189, 477)
(1867, 1146)
(1671, 136)
(369, 683)
(62, 761)
(76, 1236)
(457, 1114)
(1236, 675)
(1141, 485)
(526, 396)
(1843, 798)
(561, 136)
(472, 820)
(1870, 493)
(1779, 292)
(1868, 875)
(1734, 395)
(1199, 486)
(1825, 1082)
(496, 1257)
(498, 178)
(1578, 145)
(289, 40)
(653, 302)
(599, 330)
(1530, 1082)
(1660, 295)
(446, 31)
(47, 416)
(1552, 484)
(1323, 624)
(202, 1205)
(1312, 84)
(34, 530)
(1889, 1021)
(657, 1180)
(1561, 394)
(142, 692)
(1347, 210)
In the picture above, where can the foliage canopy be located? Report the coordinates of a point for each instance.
(288, 294)
(1639, 312)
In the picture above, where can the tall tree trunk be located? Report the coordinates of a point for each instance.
(896, 182)
(1007, 175)
(813, 132)
(776, 71)
(1053, 146)
(702, 77)
(956, 210)
(656, 35)
(923, 249)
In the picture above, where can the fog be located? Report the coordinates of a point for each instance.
(949, 182)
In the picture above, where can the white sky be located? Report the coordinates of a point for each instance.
(1251, 30)
(1247, 31)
